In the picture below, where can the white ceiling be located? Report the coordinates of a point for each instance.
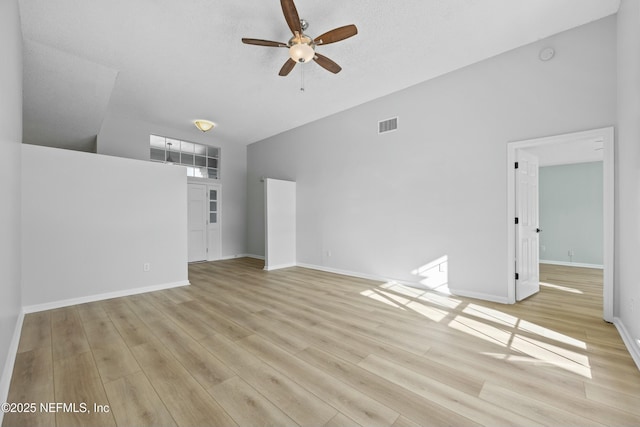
(170, 62)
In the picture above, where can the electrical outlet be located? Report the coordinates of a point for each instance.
(146, 266)
(328, 253)
(543, 248)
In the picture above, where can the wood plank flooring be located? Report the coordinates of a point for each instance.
(298, 347)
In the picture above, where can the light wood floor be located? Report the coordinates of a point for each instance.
(299, 347)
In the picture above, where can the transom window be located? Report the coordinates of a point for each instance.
(202, 161)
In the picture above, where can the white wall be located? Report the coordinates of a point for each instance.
(571, 213)
(90, 223)
(627, 273)
(125, 137)
(387, 205)
(10, 140)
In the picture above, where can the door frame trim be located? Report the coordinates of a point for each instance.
(606, 135)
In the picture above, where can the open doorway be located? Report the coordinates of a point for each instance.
(597, 143)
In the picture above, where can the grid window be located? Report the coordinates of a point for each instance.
(202, 161)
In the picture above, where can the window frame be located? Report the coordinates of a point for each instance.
(161, 151)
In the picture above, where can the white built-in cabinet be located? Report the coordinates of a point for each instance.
(280, 223)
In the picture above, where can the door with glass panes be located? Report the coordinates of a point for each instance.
(214, 236)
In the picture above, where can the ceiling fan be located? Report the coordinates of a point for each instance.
(302, 48)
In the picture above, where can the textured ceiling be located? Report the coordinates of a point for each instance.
(170, 62)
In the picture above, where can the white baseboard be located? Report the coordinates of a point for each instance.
(99, 297)
(462, 293)
(632, 344)
(224, 258)
(479, 295)
(350, 273)
(278, 267)
(12, 351)
(571, 264)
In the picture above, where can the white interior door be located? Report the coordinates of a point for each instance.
(527, 238)
(214, 210)
(197, 222)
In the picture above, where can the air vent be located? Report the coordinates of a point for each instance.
(388, 125)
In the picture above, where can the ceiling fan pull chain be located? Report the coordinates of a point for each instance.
(302, 78)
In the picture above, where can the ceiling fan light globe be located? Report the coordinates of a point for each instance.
(301, 52)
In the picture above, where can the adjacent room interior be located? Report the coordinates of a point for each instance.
(196, 234)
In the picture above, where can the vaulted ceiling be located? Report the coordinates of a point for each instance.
(170, 62)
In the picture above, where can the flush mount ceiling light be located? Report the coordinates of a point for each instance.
(204, 125)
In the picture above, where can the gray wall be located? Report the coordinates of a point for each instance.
(571, 213)
(627, 274)
(387, 205)
(126, 137)
(10, 138)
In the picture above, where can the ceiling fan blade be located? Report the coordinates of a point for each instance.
(287, 67)
(291, 15)
(327, 64)
(337, 34)
(259, 42)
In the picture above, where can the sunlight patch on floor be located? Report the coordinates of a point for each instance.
(423, 294)
(376, 296)
(562, 288)
(490, 314)
(553, 355)
(430, 312)
(533, 344)
(536, 345)
(551, 334)
(481, 330)
(549, 351)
